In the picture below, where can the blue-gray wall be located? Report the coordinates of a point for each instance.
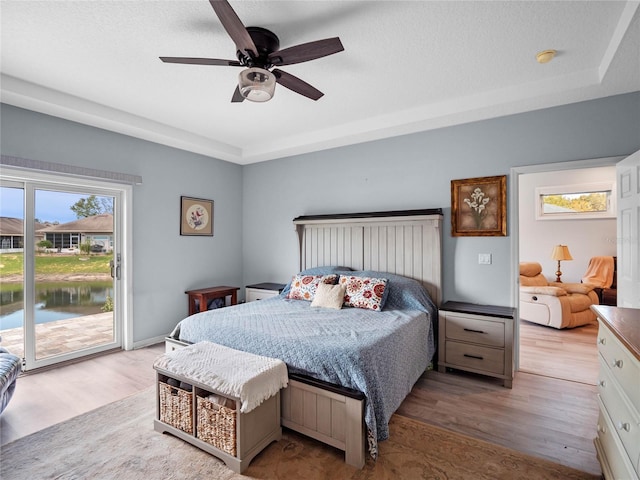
(254, 205)
(165, 264)
(415, 171)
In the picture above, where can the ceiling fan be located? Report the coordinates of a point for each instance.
(258, 49)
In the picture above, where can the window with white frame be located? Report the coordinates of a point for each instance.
(578, 201)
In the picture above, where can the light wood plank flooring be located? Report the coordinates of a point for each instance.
(542, 416)
(52, 396)
(569, 354)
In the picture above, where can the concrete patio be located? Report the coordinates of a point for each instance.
(62, 336)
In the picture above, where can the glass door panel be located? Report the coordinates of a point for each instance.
(73, 287)
(58, 297)
(12, 268)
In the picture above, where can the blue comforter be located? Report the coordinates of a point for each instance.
(380, 353)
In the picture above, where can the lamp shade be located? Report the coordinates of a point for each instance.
(561, 252)
(257, 84)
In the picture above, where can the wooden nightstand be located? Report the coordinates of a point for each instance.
(477, 338)
(203, 295)
(260, 291)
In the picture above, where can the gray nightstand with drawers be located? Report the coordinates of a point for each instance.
(477, 338)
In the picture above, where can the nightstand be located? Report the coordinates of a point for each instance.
(203, 295)
(477, 338)
(261, 291)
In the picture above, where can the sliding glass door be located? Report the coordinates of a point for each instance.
(61, 296)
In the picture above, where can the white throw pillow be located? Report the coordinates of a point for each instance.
(329, 296)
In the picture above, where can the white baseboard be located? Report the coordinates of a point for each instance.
(149, 341)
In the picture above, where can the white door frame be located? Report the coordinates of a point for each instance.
(122, 227)
(514, 202)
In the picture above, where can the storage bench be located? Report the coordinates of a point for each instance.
(223, 401)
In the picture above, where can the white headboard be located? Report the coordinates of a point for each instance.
(406, 242)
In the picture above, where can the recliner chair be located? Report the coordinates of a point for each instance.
(554, 304)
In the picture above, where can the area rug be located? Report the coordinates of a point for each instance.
(118, 441)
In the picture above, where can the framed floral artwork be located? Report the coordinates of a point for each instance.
(479, 207)
(196, 216)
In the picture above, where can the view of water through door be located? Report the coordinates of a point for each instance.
(58, 294)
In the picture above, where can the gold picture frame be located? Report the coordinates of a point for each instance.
(196, 216)
(479, 207)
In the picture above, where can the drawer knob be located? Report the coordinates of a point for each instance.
(617, 363)
(602, 429)
(602, 341)
(474, 331)
(602, 383)
(534, 298)
(624, 426)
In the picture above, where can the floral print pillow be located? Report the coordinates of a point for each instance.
(303, 287)
(364, 292)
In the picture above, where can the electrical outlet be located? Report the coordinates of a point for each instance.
(484, 259)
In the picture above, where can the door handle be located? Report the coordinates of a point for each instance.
(114, 267)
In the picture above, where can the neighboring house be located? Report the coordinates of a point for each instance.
(96, 230)
(12, 234)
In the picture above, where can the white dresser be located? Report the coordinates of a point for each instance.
(618, 430)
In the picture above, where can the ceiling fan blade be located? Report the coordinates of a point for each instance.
(306, 51)
(295, 84)
(237, 96)
(234, 26)
(201, 61)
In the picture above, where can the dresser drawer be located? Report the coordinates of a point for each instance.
(622, 365)
(610, 450)
(254, 294)
(171, 344)
(623, 416)
(475, 357)
(468, 329)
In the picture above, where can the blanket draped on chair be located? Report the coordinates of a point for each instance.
(600, 272)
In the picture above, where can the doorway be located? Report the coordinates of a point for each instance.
(61, 293)
(568, 354)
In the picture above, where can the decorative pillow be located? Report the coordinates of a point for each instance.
(329, 296)
(364, 292)
(326, 270)
(303, 287)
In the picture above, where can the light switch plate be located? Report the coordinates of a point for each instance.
(484, 258)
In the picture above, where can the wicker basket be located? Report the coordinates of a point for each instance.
(216, 425)
(176, 407)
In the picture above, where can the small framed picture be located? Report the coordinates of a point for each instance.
(479, 207)
(196, 216)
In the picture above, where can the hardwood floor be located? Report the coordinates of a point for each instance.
(569, 354)
(52, 396)
(542, 416)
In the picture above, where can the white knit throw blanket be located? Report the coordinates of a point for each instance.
(251, 378)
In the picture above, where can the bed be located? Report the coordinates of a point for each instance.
(350, 368)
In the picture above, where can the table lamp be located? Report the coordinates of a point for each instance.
(560, 252)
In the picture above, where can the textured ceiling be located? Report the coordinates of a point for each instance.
(407, 67)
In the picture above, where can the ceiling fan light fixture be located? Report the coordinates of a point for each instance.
(257, 84)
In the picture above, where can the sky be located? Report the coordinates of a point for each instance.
(50, 206)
